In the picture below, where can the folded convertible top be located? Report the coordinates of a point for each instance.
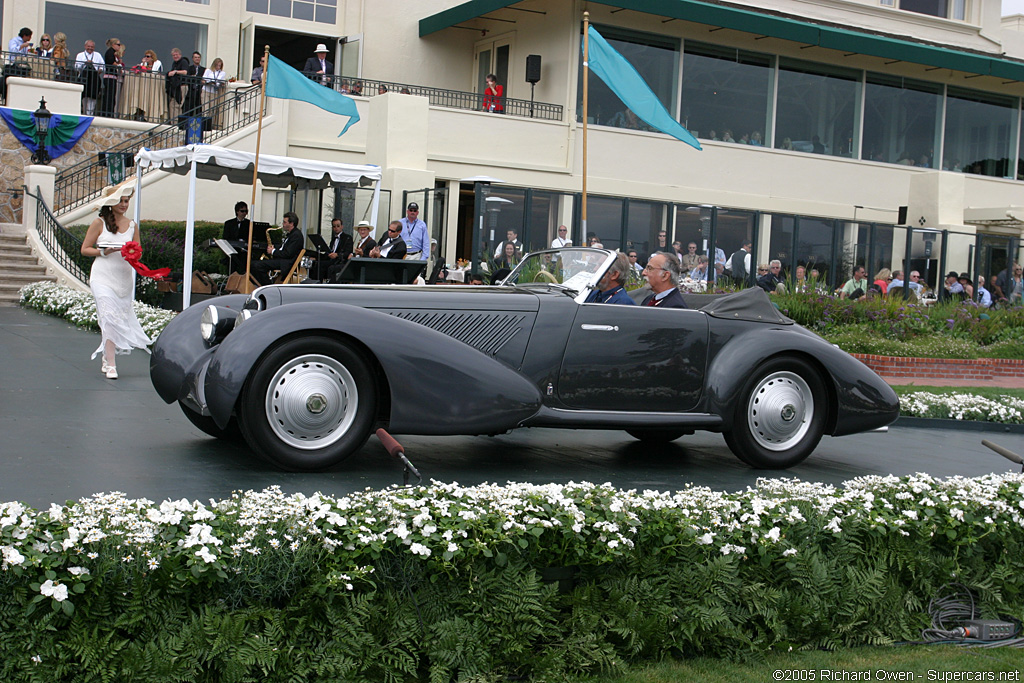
(751, 304)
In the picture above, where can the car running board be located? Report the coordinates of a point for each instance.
(618, 419)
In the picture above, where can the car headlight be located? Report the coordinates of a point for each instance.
(215, 323)
(242, 316)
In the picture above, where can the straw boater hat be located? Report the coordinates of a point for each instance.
(320, 48)
(112, 193)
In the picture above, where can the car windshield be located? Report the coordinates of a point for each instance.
(575, 268)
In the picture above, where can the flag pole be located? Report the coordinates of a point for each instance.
(247, 286)
(586, 68)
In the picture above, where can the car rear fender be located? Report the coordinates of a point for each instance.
(437, 385)
(742, 354)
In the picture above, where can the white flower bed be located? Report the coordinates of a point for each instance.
(957, 406)
(80, 307)
(584, 523)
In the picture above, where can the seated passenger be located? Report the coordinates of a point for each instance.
(662, 273)
(610, 288)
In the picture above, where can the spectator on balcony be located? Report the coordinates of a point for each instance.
(45, 48)
(60, 55)
(193, 105)
(320, 66)
(381, 89)
(494, 95)
(156, 66)
(21, 43)
(147, 64)
(89, 64)
(357, 88)
(111, 61)
(177, 71)
(215, 81)
(257, 73)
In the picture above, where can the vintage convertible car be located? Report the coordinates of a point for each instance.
(306, 372)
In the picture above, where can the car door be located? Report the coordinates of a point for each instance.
(634, 358)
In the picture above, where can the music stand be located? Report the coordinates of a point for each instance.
(228, 250)
(322, 249)
(380, 271)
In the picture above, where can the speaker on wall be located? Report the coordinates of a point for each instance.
(532, 68)
(902, 216)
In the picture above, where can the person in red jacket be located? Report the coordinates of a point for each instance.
(493, 95)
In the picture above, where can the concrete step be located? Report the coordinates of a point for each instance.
(16, 282)
(21, 266)
(17, 257)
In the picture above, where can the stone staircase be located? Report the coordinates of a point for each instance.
(18, 267)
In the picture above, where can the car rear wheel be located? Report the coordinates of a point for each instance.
(656, 436)
(780, 414)
(206, 425)
(309, 404)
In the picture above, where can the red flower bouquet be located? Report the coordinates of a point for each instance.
(132, 252)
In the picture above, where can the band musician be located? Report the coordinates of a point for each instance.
(281, 258)
(339, 249)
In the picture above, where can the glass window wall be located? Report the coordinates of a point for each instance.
(815, 246)
(980, 133)
(655, 57)
(902, 119)
(644, 220)
(817, 108)
(604, 221)
(726, 93)
(782, 230)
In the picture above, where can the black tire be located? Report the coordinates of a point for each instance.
(308, 404)
(206, 425)
(779, 415)
(657, 436)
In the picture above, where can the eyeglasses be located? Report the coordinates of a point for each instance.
(562, 230)
(243, 211)
(394, 230)
(653, 268)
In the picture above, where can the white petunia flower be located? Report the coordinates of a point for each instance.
(57, 591)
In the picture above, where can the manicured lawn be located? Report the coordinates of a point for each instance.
(922, 663)
(992, 393)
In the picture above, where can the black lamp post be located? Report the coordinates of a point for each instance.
(42, 130)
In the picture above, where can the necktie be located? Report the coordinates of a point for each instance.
(653, 301)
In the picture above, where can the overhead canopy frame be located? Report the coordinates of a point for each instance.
(209, 162)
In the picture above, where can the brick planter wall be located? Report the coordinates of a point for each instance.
(943, 368)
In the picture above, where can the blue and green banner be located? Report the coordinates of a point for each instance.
(65, 130)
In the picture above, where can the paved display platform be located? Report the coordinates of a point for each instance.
(67, 432)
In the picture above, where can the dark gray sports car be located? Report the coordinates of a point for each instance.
(306, 372)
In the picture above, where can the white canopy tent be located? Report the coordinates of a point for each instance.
(210, 162)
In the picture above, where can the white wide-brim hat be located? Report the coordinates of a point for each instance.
(112, 193)
(364, 224)
(321, 48)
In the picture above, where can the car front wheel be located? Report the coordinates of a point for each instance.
(780, 414)
(309, 404)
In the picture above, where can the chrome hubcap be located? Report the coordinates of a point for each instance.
(311, 401)
(780, 411)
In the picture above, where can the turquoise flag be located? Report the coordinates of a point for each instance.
(619, 75)
(286, 83)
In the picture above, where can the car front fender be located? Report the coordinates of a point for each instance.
(179, 347)
(860, 399)
(438, 385)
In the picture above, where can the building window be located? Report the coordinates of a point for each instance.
(902, 119)
(726, 93)
(492, 57)
(817, 108)
(655, 57)
(978, 137)
(318, 11)
(947, 9)
(604, 221)
(644, 220)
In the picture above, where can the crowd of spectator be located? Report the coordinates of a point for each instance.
(189, 87)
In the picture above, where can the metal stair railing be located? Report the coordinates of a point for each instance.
(79, 184)
(64, 247)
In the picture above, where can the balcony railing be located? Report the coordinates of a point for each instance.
(64, 247)
(77, 185)
(440, 97)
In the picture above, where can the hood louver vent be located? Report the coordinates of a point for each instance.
(486, 332)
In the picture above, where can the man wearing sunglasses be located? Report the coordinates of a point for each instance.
(392, 245)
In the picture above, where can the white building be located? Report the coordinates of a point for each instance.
(860, 107)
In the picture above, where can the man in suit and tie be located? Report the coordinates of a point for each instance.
(319, 66)
(339, 248)
(610, 289)
(193, 104)
(662, 273)
(392, 246)
(237, 228)
(284, 256)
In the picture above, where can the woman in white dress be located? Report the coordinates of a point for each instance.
(112, 279)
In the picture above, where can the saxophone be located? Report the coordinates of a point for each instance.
(264, 256)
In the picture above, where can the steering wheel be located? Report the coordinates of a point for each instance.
(545, 276)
